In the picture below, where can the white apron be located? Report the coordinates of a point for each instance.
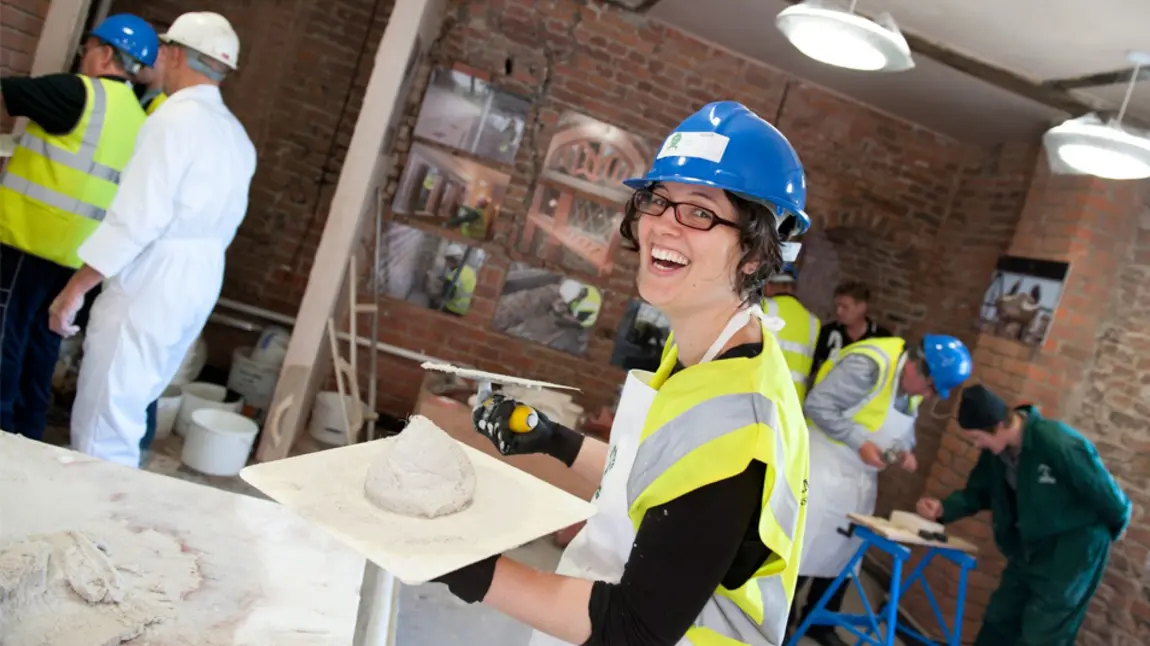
(599, 552)
(841, 483)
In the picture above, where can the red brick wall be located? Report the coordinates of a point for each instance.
(1092, 372)
(303, 70)
(920, 215)
(20, 25)
(876, 183)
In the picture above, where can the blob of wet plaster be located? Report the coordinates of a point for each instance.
(421, 472)
(99, 586)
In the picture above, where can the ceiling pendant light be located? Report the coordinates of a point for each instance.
(1089, 146)
(837, 36)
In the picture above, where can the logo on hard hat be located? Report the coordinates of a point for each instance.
(675, 139)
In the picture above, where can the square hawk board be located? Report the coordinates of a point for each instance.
(510, 508)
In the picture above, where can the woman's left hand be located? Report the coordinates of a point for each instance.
(470, 583)
(909, 462)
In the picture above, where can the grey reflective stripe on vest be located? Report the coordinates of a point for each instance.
(84, 161)
(690, 430)
(726, 618)
(703, 423)
(52, 198)
(883, 368)
(806, 350)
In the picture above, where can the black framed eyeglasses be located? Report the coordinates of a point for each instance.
(689, 215)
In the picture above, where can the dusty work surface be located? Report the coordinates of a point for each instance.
(265, 576)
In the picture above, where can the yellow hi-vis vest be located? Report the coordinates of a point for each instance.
(888, 354)
(797, 338)
(155, 103)
(57, 188)
(460, 299)
(706, 424)
(591, 304)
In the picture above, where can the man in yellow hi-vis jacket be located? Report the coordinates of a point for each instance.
(801, 332)
(54, 192)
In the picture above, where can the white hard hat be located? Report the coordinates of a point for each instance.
(208, 33)
(570, 290)
(454, 250)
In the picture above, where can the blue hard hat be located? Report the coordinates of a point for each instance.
(788, 274)
(727, 146)
(948, 361)
(130, 34)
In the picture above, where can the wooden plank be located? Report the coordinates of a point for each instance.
(60, 38)
(412, 27)
(883, 527)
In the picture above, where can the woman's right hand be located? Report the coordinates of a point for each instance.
(492, 418)
(929, 508)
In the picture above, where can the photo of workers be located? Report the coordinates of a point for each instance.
(471, 115)
(548, 308)
(640, 338)
(450, 192)
(1020, 301)
(578, 203)
(429, 270)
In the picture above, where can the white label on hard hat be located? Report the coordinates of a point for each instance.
(700, 145)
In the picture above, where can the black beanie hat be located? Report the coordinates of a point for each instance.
(981, 410)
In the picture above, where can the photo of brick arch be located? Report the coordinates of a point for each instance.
(578, 203)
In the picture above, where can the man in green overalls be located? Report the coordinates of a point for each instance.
(1056, 510)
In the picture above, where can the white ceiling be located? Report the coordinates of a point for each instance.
(1041, 40)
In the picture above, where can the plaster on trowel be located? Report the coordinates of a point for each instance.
(524, 419)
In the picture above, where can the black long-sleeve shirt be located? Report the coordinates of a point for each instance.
(54, 101)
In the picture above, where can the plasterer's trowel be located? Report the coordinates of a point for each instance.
(524, 418)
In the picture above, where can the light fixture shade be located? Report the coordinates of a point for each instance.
(835, 36)
(1089, 146)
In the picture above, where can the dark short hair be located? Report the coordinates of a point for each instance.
(758, 239)
(856, 289)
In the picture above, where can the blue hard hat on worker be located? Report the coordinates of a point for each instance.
(131, 35)
(948, 362)
(727, 146)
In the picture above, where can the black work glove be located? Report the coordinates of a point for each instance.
(491, 418)
(471, 582)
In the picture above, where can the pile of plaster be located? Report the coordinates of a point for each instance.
(421, 472)
(101, 586)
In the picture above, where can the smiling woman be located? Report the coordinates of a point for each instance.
(702, 502)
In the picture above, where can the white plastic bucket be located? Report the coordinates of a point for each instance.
(255, 381)
(326, 424)
(167, 408)
(218, 442)
(271, 347)
(199, 394)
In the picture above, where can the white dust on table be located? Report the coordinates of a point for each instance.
(422, 472)
(101, 585)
